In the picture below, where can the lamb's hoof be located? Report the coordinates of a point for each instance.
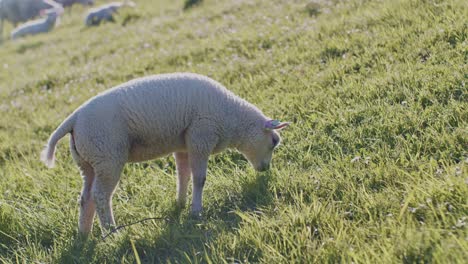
(180, 205)
(82, 236)
(196, 215)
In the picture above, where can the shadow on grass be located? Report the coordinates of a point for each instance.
(181, 238)
(191, 3)
(186, 240)
(29, 46)
(79, 250)
(256, 193)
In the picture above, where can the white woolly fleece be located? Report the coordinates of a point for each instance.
(149, 116)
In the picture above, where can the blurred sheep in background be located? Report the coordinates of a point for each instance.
(38, 26)
(17, 11)
(105, 12)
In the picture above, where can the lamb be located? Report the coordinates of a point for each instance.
(17, 11)
(189, 115)
(37, 26)
(105, 13)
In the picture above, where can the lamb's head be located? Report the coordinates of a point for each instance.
(260, 142)
(52, 14)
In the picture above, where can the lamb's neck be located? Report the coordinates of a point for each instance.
(243, 117)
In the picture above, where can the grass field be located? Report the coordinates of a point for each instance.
(372, 170)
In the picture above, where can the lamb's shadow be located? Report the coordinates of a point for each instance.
(182, 237)
(186, 238)
(255, 192)
(29, 46)
(79, 250)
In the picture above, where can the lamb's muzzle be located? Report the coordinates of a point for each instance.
(186, 114)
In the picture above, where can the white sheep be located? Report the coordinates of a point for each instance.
(17, 11)
(105, 13)
(37, 26)
(186, 114)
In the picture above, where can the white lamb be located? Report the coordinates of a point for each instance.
(105, 13)
(186, 114)
(37, 26)
(17, 11)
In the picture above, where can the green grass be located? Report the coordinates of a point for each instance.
(372, 170)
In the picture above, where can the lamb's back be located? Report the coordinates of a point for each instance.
(159, 107)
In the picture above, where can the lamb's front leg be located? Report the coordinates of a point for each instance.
(183, 176)
(198, 164)
(201, 139)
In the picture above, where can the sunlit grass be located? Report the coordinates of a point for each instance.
(373, 168)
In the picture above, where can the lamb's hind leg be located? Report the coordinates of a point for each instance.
(106, 180)
(88, 207)
(183, 176)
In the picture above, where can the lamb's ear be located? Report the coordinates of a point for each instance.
(275, 124)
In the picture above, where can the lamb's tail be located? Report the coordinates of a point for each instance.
(47, 155)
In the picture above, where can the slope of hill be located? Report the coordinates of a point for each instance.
(373, 169)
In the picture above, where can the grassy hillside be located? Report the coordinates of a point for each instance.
(373, 169)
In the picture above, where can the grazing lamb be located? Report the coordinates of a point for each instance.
(17, 11)
(104, 13)
(186, 114)
(37, 26)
